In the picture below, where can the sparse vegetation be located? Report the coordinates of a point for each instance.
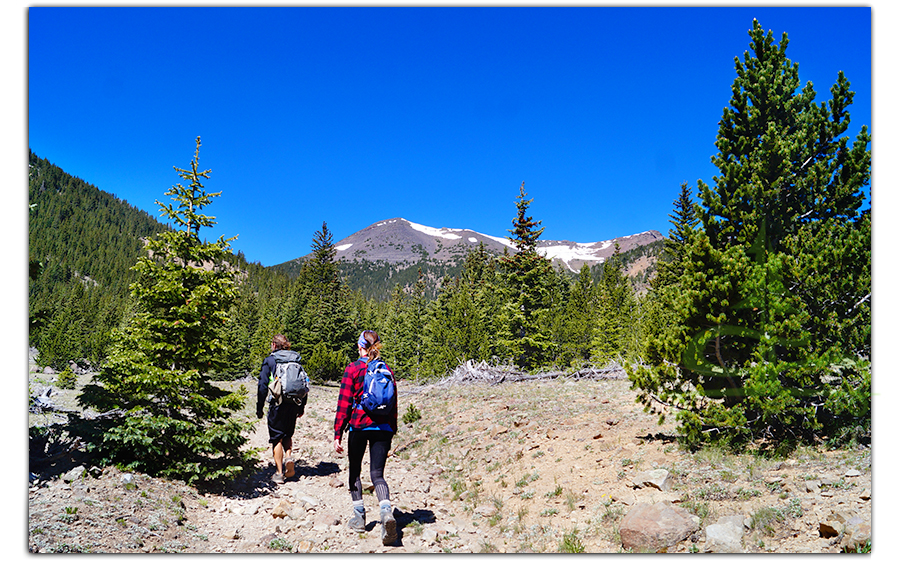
(571, 543)
(470, 484)
(280, 543)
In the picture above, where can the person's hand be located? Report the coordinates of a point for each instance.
(259, 413)
(337, 445)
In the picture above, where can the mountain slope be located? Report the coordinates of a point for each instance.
(399, 241)
(387, 253)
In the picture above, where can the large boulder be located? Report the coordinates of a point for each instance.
(660, 479)
(656, 527)
(724, 536)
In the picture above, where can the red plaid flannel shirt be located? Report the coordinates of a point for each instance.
(351, 387)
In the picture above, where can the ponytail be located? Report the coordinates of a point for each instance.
(370, 341)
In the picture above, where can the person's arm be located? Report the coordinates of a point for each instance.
(394, 425)
(302, 409)
(345, 404)
(262, 387)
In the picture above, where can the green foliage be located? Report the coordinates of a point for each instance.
(523, 329)
(865, 548)
(411, 415)
(579, 321)
(768, 302)
(324, 364)
(319, 320)
(616, 309)
(66, 378)
(280, 543)
(571, 543)
(764, 519)
(461, 322)
(81, 244)
(404, 324)
(174, 422)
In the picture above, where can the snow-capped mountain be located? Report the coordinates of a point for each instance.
(398, 240)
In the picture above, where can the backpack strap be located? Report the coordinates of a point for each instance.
(357, 398)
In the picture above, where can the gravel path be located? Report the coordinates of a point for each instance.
(535, 466)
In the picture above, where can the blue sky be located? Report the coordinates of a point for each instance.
(350, 116)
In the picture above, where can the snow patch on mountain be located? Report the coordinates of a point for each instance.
(436, 232)
(570, 253)
(505, 241)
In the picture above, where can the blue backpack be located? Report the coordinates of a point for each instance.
(379, 393)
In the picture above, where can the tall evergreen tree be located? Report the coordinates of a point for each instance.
(615, 312)
(173, 422)
(684, 220)
(659, 304)
(404, 329)
(320, 321)
(580, 319)
(766, 317)
(524, 331)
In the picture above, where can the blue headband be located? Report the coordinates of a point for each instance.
(362, 340)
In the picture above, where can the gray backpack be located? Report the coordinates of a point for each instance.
(289, 379)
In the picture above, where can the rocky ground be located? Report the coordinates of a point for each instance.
(538, 466)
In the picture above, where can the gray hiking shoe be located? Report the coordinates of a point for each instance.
(357, 521)
(388, 527)
(278, 478)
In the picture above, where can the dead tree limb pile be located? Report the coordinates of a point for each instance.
(475, 373)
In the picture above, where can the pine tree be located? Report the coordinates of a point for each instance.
(581, 320)
(773, 324)
(684, 220)
(320, 318)
(174, 422)
(524, 330)
(615, 313)
(404, 329)
(659, 305)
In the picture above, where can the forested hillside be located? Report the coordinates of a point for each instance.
(82, 243)
(376, 280)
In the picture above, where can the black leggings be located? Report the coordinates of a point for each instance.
(379, 443)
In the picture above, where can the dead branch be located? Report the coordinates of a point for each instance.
(471, 372)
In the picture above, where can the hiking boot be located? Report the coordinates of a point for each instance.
(278, 478)
(357, 521)
(388, 527)
(289, 469)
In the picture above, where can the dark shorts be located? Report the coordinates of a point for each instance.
(282, 420)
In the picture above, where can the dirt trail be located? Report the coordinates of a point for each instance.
(538, 466)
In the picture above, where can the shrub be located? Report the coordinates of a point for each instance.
(571, 543)
(66, 378)
(279, 543)
(324, 364)
(411, 415)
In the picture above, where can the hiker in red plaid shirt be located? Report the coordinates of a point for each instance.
(365, 431)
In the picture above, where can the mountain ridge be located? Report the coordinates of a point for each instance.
(400, 241)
